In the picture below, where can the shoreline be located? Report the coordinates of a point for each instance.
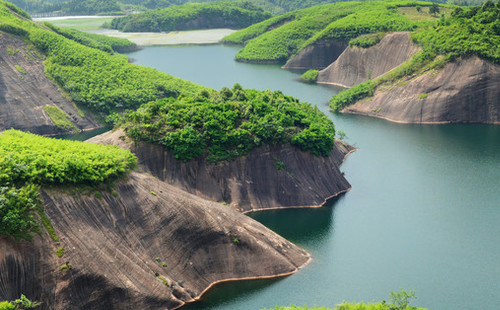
(205, 36)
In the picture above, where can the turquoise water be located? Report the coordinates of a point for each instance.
(423, 214)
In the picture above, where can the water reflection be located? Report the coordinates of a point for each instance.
(305, 226)
(231, 292)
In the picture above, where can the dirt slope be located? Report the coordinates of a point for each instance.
(466, 90)
(23, 96)
(356, 65)
(268, 177)
(112, 244)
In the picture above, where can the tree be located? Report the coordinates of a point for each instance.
(434, 9)
(402, 298)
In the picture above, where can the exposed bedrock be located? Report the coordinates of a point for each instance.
(279, 176)
(147, 245)
(357, 65)
(466, 90)
(316, 56)
(23, 95)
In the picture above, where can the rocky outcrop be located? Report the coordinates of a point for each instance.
(23, 96)
(316, 56)
(463, 91)
(357, 65)
(279, 176)
(146, 245)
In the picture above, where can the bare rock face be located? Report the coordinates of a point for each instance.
(279, 176)
(466, 90)
(147, 245)
(357, 65)
(316, 56)
(23, 96)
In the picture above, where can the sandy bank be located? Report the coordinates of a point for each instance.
(208, 36)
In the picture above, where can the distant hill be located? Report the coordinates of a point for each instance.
(220, 14)
(85, 7)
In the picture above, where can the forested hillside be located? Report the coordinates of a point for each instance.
(220, 14)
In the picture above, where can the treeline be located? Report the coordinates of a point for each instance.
(227, 124)
(467, 32)
(221, 14)
(85, 7)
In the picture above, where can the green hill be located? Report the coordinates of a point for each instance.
(467, 32)
(280, 38)
(220, 14)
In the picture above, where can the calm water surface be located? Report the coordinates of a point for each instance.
(423, 214)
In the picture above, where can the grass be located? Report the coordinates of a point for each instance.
(60, 252)
(20, 69)
(424, 15)
(423, 96)
(83, 24)
(59, 117)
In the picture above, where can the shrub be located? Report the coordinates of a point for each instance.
(310, 76)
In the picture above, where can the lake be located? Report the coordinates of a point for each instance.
(423, 213)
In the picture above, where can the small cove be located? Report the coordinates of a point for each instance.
(423, 213)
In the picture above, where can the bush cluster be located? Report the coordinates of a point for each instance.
(28, 161)
(226, 124)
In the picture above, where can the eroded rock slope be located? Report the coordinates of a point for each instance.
(268, 177)
(466, 90)
(25, 91)
(147, 245)
(357, 65)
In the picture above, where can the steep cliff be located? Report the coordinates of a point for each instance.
(146, 245)
(268, 177)
(357, 65)
(465, 90)
(316, 56)
(25, 92)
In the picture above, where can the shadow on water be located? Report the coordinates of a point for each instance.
(304, 226)
(229, 292)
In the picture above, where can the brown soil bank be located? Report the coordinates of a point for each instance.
(148, 245)
(316, 56)
(23, 95)
(466, 90)
(279, 176)
(357, 65)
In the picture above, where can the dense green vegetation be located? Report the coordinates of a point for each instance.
(19, 304)
(220, 14)
(467, 32)
(101, 42)
(275, 41)
(226, 124)
(399, 301)
(28, 161)
(94, 78)
(310, 76)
